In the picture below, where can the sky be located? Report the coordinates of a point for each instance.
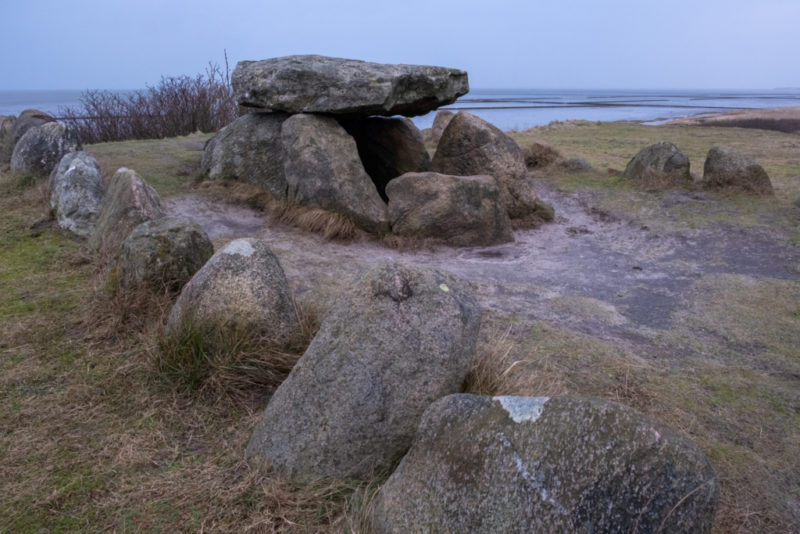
(557, 44)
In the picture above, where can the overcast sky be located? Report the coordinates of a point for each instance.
(581, 44)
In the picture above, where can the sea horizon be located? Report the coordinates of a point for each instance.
(519, 109)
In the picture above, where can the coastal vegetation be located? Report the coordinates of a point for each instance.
(177, 105)
(98, 437)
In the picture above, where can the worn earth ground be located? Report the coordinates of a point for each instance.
(682, 303)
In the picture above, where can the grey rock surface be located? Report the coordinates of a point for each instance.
(323, 169)
(320, 84)
(128, 202)
(19, 127)
(440, 122)
(661, 159)
(388, 147)
(563, 464)
(40, 150)
(459, 210)
(162, 254)
(401, 338)
(728, 168)
(76, 193)
(248, 149)
(241, 288)
(471, 146)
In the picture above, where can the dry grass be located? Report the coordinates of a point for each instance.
(95, 440)
(328, 224)
(234, 363)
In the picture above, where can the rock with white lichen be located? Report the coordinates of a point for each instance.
(401, 338)
(76, 193)
(242, 288)
(562, 464)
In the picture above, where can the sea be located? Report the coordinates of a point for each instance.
(520, 109)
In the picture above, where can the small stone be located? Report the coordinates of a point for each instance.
(728, 168)
(659, 159)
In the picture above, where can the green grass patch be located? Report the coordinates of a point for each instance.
(168, 165)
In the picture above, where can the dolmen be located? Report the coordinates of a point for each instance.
(333, 134)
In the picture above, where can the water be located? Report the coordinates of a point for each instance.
(14, 102)
(519, 109)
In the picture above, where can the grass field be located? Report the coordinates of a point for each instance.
(95, 440)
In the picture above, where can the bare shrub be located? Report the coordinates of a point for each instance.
(178, 105)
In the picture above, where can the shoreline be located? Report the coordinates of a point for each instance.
(784, 119)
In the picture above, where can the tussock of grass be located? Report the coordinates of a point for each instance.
(229, 362)
(328, 224)
(498, 369)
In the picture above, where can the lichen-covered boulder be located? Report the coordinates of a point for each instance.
(40, 150)
(388, 147)
(162, 254)
(660, 159)
(400, 339)
(242, 288)
(249, 149)
(563, 464)
(323, 170)
(19, 127)
(462, 211)
(76, 193)
(320, 84)
(471, 146)
(128, 202)
(728, 168)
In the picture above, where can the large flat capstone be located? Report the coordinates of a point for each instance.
(320, 84)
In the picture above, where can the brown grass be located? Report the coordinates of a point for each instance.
(328, 224)
(234, 363)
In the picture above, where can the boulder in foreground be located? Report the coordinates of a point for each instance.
(462, 211)
(76, 193)
(660, 159)
(561, 464)
(400, 339)
(320, 84)
(727, 168)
